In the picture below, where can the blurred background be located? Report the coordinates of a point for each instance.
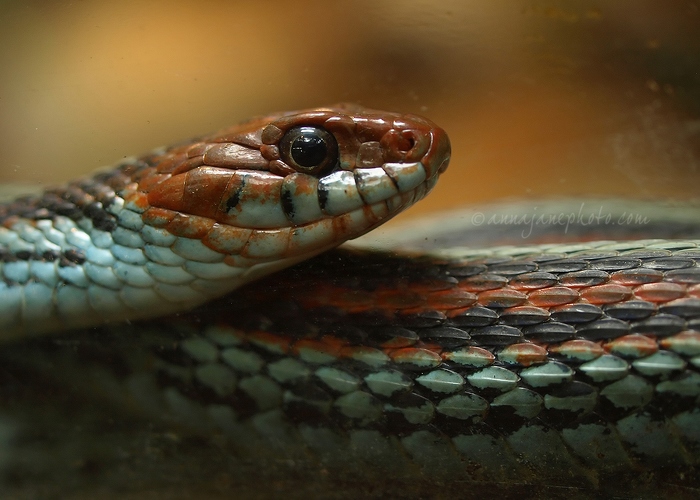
(541, 98)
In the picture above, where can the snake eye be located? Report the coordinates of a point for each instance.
(310, 150)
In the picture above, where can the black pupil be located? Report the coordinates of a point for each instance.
(308, 148)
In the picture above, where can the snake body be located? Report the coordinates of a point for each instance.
(547, 368)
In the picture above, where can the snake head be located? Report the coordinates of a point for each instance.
(283, 187)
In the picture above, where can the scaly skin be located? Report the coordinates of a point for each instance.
(533, 371)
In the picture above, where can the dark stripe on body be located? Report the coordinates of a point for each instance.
(70, 257)
(86, 198)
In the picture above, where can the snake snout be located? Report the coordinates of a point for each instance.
(437, 158)
(416, 139)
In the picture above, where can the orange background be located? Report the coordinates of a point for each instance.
(540, 98)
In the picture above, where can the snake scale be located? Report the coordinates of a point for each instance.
(517, 369)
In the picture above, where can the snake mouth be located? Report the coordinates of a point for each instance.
(379, 204)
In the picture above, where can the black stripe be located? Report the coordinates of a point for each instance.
(58, 203)
(287, 201)
(232, 202)
(74, 256)
(24, 255)
(322, 196)
(49, 256)
(101, 219)
(7, 256)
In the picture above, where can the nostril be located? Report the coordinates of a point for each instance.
(405, 144)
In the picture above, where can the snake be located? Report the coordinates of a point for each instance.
(197, 288)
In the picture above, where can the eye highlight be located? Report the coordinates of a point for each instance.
(309, 150)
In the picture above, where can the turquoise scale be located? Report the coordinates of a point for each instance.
(605, 368)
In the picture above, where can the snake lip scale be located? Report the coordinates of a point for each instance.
(175, 228)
